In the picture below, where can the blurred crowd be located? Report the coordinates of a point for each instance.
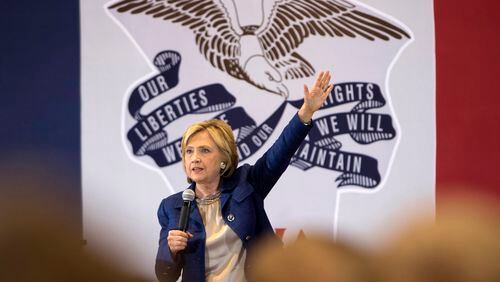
(40, 226)
(40, 241)
(461, 245)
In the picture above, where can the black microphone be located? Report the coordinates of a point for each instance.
(187, 197)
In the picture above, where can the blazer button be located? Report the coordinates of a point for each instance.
(248, 237)
(230, 217)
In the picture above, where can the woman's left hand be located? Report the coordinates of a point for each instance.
(314, 98)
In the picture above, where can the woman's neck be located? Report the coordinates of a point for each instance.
(204, 190)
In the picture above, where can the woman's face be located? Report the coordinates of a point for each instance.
(202, 159)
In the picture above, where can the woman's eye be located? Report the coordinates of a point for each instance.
(189, 151)
(205, 150)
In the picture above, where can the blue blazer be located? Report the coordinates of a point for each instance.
(242, 205)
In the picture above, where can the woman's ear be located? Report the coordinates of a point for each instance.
(222, 166)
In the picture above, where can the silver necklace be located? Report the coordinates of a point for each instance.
(208, 199)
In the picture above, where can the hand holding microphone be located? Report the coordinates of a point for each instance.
(177, 239)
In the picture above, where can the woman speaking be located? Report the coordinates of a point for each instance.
(227, 216)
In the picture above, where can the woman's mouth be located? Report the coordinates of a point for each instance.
(196, 169)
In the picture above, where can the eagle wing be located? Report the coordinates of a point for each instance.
(216, 39)
(292, 21)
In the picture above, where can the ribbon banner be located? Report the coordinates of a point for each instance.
(323, 150)
(149, 136)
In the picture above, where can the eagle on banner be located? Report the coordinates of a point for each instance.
(263, 53)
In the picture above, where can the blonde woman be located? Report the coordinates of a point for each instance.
(228, 214)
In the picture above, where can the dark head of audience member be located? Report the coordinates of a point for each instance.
(463, 244)
(311, 259)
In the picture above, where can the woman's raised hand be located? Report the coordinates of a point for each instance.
(314, 98)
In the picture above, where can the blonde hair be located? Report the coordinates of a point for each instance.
(222, 134)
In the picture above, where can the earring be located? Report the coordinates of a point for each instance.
(222, 165)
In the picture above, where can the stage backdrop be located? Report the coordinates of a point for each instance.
(151, 68)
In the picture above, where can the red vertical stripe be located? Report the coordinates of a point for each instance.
(468, 96)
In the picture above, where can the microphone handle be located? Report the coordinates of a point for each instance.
(183, 221)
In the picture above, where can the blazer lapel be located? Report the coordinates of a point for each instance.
(194, 213)
(226, 187)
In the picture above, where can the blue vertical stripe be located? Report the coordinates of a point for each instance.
(40, 89)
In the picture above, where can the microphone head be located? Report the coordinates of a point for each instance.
(188, 195)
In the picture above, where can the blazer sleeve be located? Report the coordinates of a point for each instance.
(268, 169)
(166, 268)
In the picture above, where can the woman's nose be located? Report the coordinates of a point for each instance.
(195, 158)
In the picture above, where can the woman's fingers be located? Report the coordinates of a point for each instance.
(177, 245)
(316, 96)
(177, 240)
(322, 81)
(178, 233)
(325, 80)
(330, 88)
(319, 80)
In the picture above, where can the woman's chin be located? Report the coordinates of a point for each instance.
(201, 179)
(197, 178)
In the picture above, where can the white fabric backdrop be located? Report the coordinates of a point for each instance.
(122, 188)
